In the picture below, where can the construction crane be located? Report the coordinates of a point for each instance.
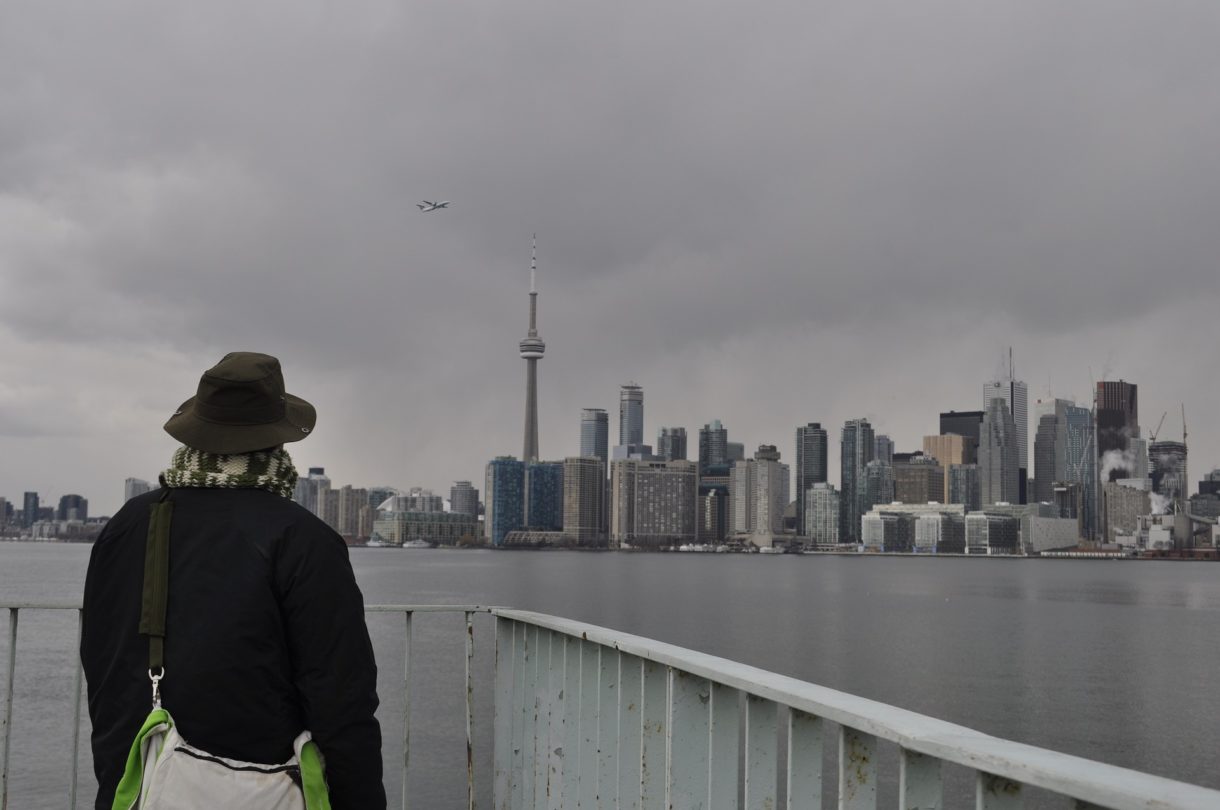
(1153, 435)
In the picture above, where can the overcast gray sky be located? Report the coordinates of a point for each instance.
(767, 213)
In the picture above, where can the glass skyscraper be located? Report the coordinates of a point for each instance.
(504, 498)
(631, 415)
(595, 434)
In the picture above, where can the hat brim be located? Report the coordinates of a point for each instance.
(212, 437)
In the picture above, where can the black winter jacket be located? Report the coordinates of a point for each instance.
(265, 637)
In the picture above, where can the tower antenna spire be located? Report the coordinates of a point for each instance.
(534, 264)
(532, 349)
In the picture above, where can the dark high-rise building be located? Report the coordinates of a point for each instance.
(631, 415)
(29, 510)
(812, 445)
(1117, 407)
(532, 349)
(72, 507)
(504, 494)
(883, 448)
(998, 458)
(1015, 394)
(671, 443)
(544, 498)
(918, 479)
(595, 434)
(856, 448)
(961, 423)
(713, 446)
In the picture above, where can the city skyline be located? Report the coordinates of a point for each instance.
(1009, 176)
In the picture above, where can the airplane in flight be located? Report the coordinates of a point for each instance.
(426, 206)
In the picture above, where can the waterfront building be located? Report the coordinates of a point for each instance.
(961, 423)
(759, 491)
(1015, 395)
(29, 510)
(878, 484)
(73, 507)
(5, 506)
(1117, 407)
(354, 518)
(856, 448)
(999, 469)
(671, 443)
(310, 491)
(464, 498)
(812, 453)
(713, 514)
(918, 479)
(378, 496)
(1201, 504)
(821, 515)
(544, 501)
(133, 487)
(532, 349)
(584, 500)
(1123, 503)
(504, 499)
(713, 446)
(892, 532)
(595, 434)
(1167, 460)
(938, 532)
(631, 415)
(653, 503)
(1039, 534)
(992, 533)
(438, 528)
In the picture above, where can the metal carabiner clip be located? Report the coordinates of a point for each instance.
(156, 687)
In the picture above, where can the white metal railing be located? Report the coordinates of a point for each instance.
(589, 717)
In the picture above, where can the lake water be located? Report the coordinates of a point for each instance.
(1116, 661)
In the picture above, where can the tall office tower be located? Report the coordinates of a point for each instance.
(595, 434)
(532, 349)
(878, 484)
(631, 414)
(584, 500)
(822, 515)
(1046, 471)
(962, 423)
(949, 449)
(1208, 485)
(1116, 405)
(742, 491)
(73, 507)
(504, 494)
(1168, 462)
(310, 491)
(544, 496)
(883, 448)
(133, 487)
(736, 451)
(464, 499)
(29, 510)
(4, 508)
(354, 516)
(856, 448)
(771, 488)
(964, 486)
(671, 443)
(919, 480)
(713, 446)
(812, 446)
(998, 457)
(653, 503)
(1016, 398)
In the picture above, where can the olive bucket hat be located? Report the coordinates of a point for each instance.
(240, 407)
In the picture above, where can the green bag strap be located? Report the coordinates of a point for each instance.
(156, 589)
(313, 782)
(127, 793)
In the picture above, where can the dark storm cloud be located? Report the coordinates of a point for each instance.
(731, 199)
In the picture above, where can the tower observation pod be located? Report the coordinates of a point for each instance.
(532, 349)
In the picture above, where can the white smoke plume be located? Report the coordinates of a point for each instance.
(1159, 503)
(1113, 460)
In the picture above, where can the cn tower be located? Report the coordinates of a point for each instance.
(532, 349)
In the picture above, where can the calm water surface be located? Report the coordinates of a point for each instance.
(1117, 661)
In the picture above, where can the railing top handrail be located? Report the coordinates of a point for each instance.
(1096, 782)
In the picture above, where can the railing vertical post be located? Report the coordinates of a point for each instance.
(529, 714)
(520, 674)
(8, 704)
(469, 710)
(502, 723)
(586, 759)
(919, 783)
(805, 738)
(570, 696)
(653, 722)
(762, 756)
(76, 683)
(724, 740)
(630, 682)
(555, 721)
(607, 729)
(857, 770)
(406, 705)
(688, 740)
(542, 726)
(997, 793)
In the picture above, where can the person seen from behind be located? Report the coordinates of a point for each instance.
(265, 634)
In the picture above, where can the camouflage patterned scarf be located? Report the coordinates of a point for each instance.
(271, 470)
